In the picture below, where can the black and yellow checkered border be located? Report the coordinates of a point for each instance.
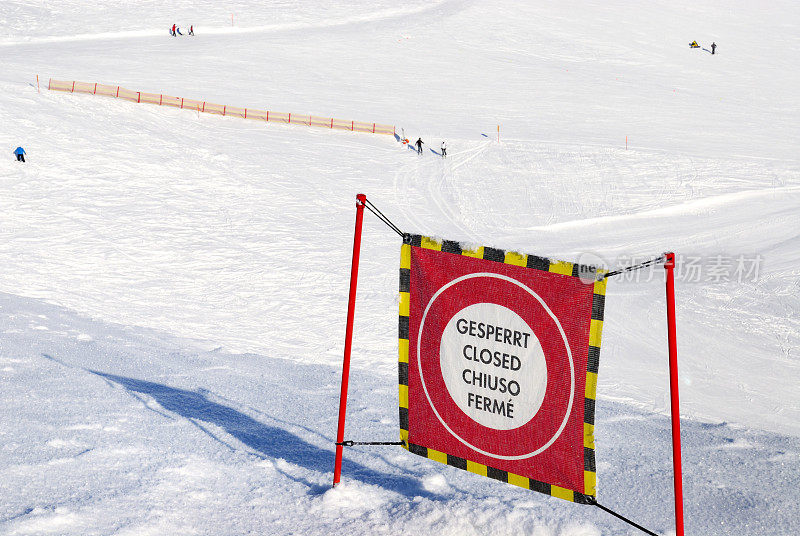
(595, 335)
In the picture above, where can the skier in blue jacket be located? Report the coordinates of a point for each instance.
(20, 152)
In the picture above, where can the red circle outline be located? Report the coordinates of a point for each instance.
(546, 422)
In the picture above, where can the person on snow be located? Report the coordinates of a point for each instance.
(20, 152)
(178, 31)
(191, 30)
(713, 48)
(444, 149)
(173, 30)
(419, 143)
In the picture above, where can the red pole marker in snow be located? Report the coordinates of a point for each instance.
(669, 266)
(348, 337)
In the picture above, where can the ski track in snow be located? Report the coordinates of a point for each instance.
(386, 14)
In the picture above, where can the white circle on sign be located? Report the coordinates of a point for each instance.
(568, 409)
(493, 366)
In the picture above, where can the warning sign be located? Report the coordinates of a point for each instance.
(498, 364)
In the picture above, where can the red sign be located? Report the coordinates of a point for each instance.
(495, 352)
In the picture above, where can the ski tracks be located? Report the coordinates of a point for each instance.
(425, 187)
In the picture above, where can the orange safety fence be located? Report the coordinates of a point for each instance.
(219, 109)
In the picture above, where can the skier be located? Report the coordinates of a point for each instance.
(178, 31)
(419, 145)
(173, 30)
(713, 48)
(20, 152)
(191, 30)
(444, 149)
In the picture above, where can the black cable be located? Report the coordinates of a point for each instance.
(381, 216)
(639, 266)
(594, 502)
(352, 443)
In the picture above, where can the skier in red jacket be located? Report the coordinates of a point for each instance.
(173, 30)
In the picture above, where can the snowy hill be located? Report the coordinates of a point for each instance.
(174, 285)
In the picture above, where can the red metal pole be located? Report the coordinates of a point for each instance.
(669, 266)
(348, 336)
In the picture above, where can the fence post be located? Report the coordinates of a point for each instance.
(73, 86)
(673, 390)
(160, 99)
(224, 107)
(139, 98)
(352, 124)
(37, 84)
(348, 337)
(267, 116)
(331, 122)
(49, 81)
(95, 89)
(245, 113)
(181, 103)
(290, 119)
(204, 106)
(117, 92)
(373, 128)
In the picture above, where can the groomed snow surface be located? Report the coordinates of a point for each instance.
(173, 287)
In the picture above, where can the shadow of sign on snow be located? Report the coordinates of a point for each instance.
(266, 440)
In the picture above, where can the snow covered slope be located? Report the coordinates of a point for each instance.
(212, 254)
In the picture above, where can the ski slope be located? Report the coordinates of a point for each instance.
(172, 300)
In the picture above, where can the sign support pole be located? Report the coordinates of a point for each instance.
(669, 266)
(348, 337)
